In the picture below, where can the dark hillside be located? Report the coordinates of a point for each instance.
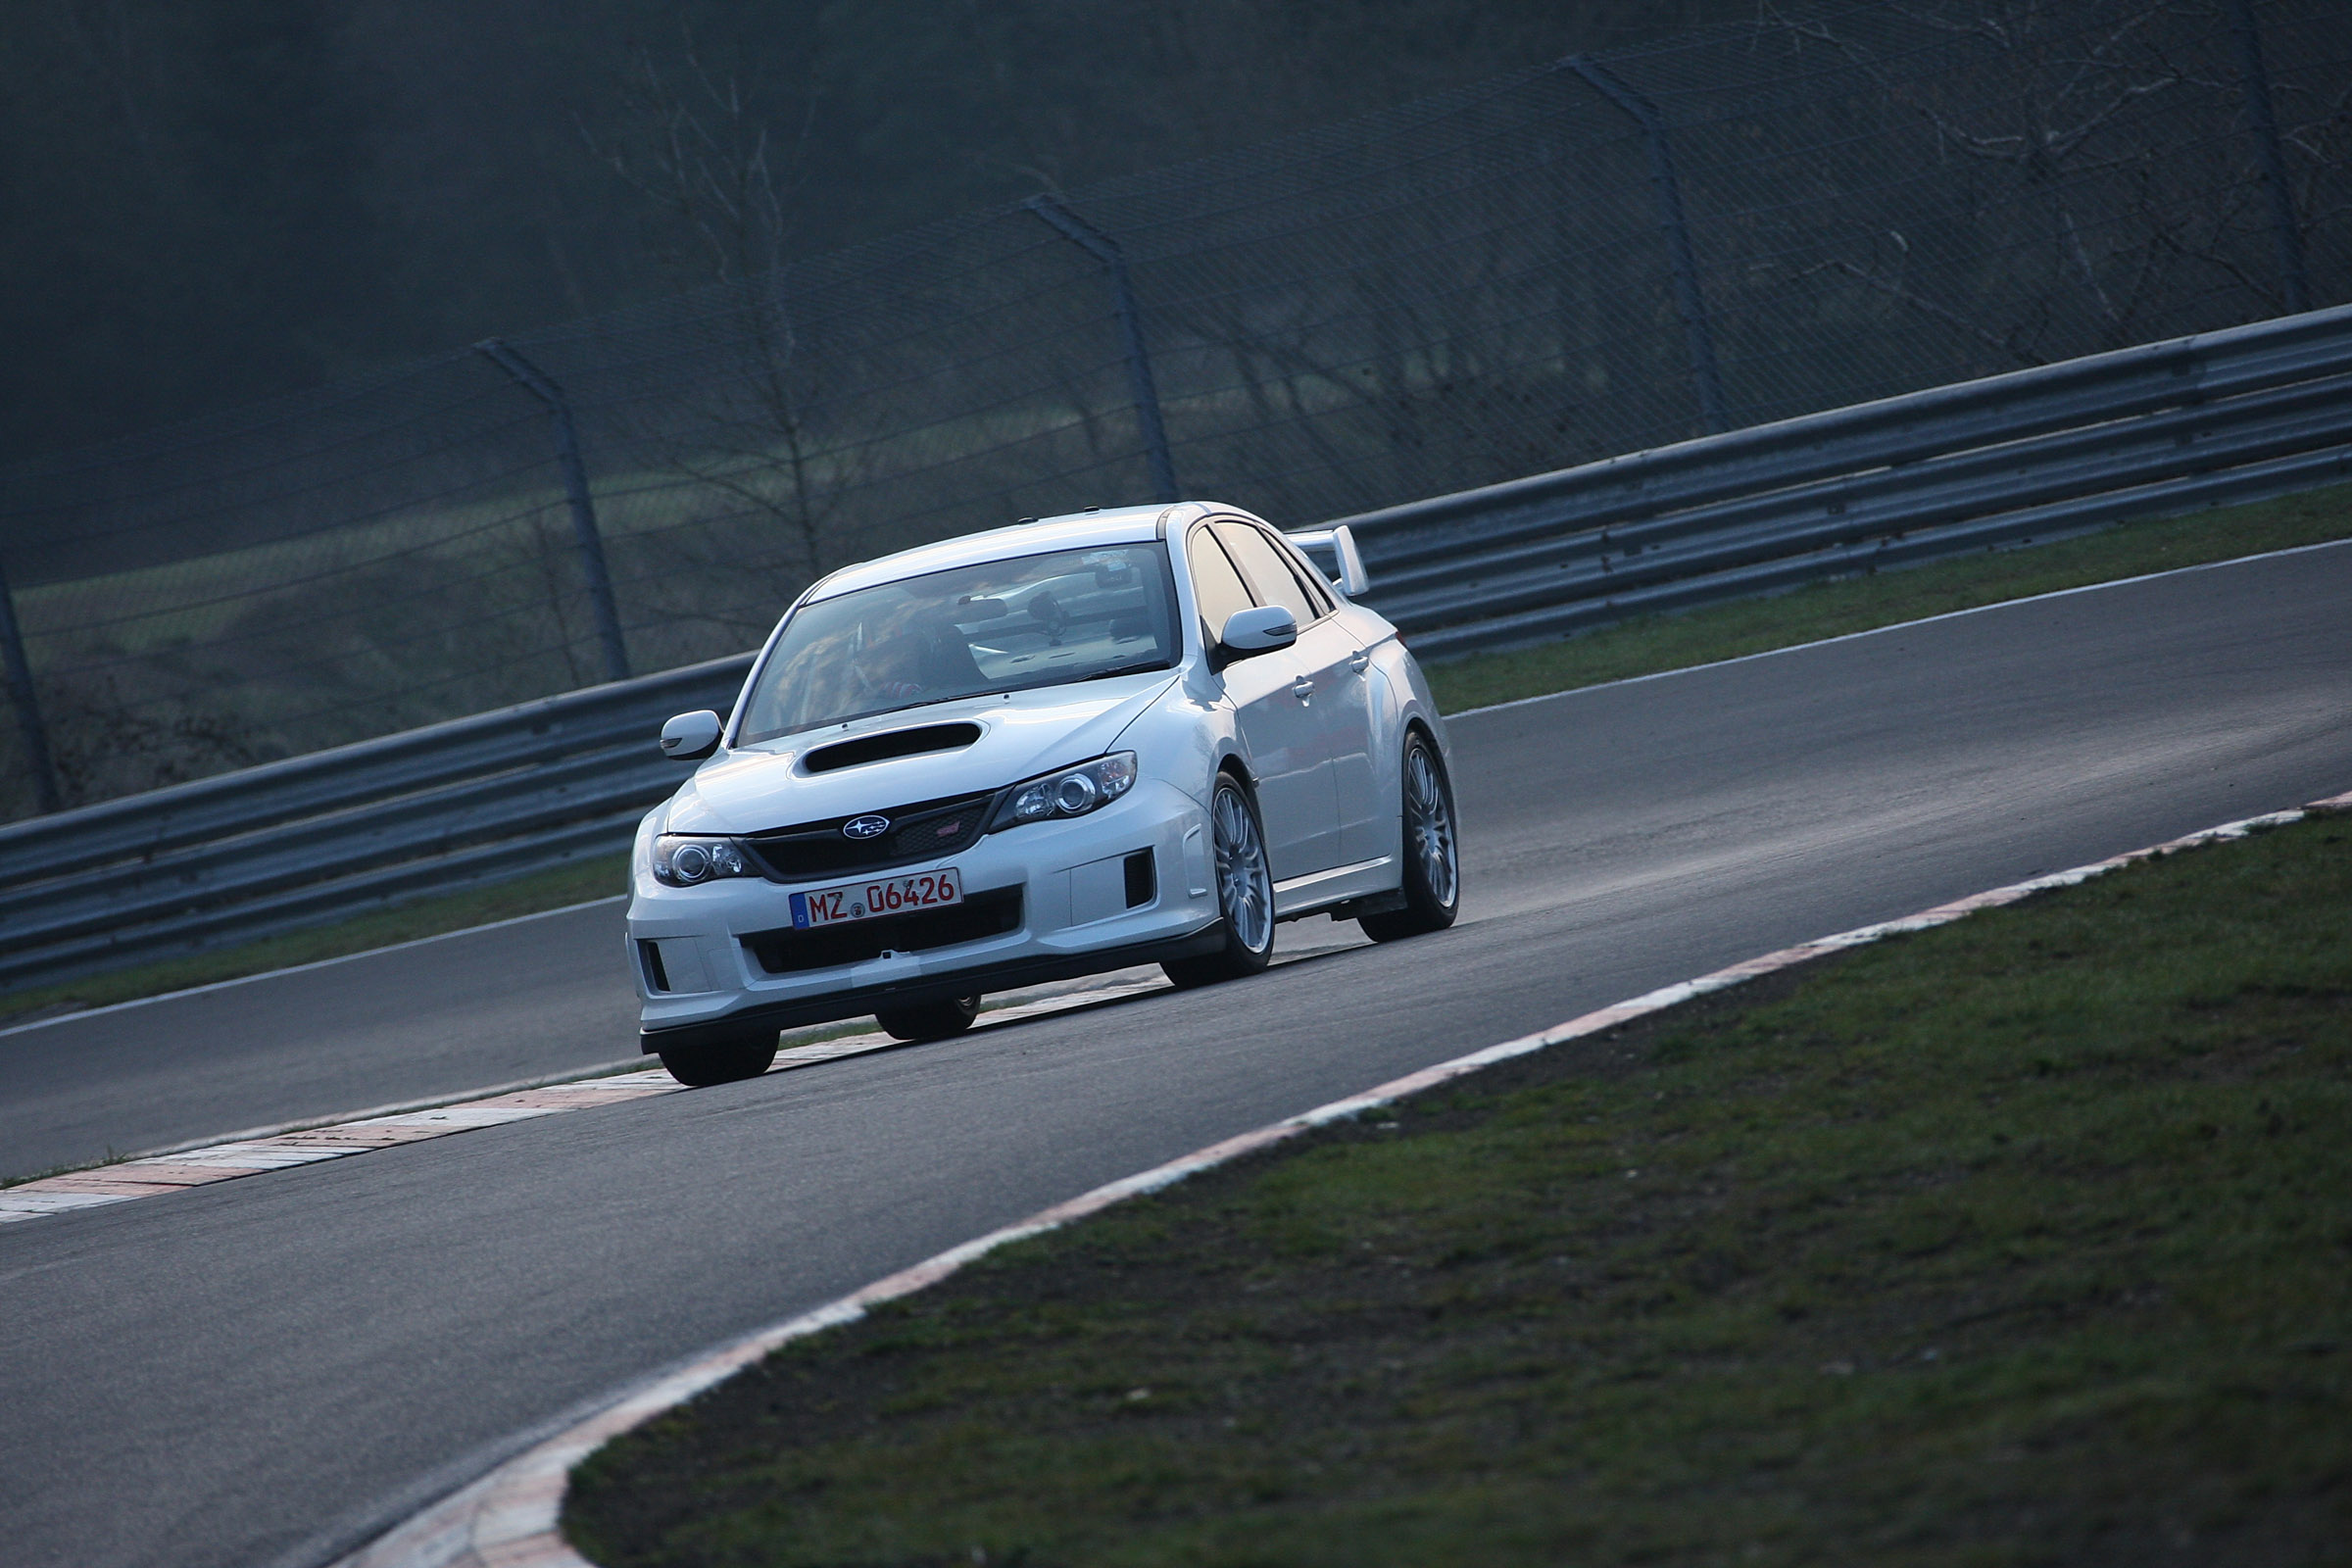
(210, 204)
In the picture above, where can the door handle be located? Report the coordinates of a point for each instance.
(1302, 688)
(1358, 659)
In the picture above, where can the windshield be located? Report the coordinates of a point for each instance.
(998, 627)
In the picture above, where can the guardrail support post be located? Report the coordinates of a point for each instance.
(27, 704)
(1697, 334)
(575, 486)
(1102, 248)
(2256, 82)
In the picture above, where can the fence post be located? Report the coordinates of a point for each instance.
(2256, 83)
(27, 703)
(575, 486)
(1697, 334)
(1105, 250)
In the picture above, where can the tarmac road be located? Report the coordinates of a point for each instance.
(239, 1373)
(530, 998)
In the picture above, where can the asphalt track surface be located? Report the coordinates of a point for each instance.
(239, 1373)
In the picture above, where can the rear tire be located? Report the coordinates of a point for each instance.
(929, 1020)
(724, 1061)
(1433, 869)
(1245, 892)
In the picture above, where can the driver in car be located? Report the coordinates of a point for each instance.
(892, 670)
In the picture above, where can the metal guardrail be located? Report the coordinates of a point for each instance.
(338, 832)
(2166, 427)
(2222, 417)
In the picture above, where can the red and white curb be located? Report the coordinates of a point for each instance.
(158, 1174)
(153, 1175)
(508, 1518)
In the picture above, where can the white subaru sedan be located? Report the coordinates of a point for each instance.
(1122, 737)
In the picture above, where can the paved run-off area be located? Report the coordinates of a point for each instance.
(225, 1374)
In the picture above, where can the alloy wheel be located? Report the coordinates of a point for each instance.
(1428, 824)
(1245, 892)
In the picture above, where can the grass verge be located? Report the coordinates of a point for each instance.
(1638, 648)
(2027, 1239)
(599, 878)
(1657, 643)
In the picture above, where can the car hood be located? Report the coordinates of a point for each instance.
(1021, 734)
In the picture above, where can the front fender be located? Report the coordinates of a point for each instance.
(1186, 735)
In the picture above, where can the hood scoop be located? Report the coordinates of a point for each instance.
(889, 743)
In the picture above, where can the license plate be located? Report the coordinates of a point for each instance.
(885, 895)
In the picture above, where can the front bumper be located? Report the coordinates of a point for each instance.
(696, 952)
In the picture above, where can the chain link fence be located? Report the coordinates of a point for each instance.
(1831, 204)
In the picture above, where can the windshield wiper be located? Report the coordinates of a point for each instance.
(1127, 669)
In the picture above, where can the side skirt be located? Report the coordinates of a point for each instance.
(1366, 881)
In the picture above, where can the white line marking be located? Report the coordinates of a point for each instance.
(1900, 625)
(507, 1517)
(304, 968)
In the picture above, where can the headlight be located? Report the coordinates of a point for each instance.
(1072, 792)
(683, 862)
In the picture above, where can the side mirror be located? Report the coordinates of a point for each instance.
(691, 737)
(1261, 630)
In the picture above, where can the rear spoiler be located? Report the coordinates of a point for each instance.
(1334, 551)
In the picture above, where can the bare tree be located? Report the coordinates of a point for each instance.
(2107, 121)
(705, 157)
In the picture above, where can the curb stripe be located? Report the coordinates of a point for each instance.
(158, 1174)
(509, 1517)
(176, 1170)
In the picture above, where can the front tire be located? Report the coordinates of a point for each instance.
(1433, 869)
(929, 1020)
(1245, 892)
(724, 1061)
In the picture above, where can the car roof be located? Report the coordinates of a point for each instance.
(1077, 530)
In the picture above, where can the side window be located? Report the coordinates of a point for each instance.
(1308, 577)
(1216, 587)
(1263, 563)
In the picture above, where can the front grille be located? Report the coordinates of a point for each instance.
(817, 850)
(979, 916)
